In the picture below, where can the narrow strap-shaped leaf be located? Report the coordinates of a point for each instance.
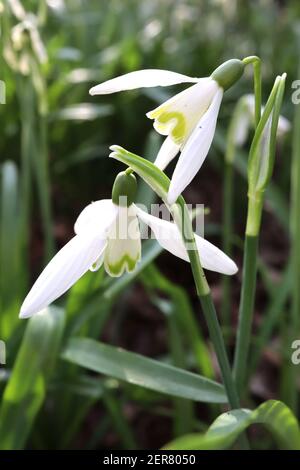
(139, 370)
(10, 262)
(25, 390)
(273, 414)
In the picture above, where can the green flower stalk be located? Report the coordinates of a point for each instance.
(241, 123)
(228, 190)
(260, 168)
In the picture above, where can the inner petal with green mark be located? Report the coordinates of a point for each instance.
(171, 123)
(178, 116)
(123, 250)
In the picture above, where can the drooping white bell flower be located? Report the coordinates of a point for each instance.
(109, 234)
(188, 119)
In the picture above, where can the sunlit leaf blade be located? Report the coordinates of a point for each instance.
(25, 391)
(139, 370)
(224, 431)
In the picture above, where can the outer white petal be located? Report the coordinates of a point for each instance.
(166, 233)
(167, 152)
(67, 266)
(214, 259)
(169, 237)
(141, 79)
(97, 217)
(195, 150)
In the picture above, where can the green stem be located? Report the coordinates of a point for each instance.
(228, 191)
(184, 224)
(260, 169)
(245, 311)
(257, 84)
(246, 308)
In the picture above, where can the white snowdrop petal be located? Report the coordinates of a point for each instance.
(67, 266)
(141, 79)
(169, 237)
(195, 150)
(97, 217)
(167, 152)
(166, 233)
(214, 259)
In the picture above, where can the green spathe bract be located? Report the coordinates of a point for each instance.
(124, 189)
(228, 73)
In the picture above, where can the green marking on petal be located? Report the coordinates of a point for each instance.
(126, 263)
(123, 249)
(163, 119)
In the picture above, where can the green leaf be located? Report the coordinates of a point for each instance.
(25, 391)
(224, 431)
(139, 370)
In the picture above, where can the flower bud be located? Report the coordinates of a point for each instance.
(124, 189)
(228, 73)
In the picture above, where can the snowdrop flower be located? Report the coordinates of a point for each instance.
(107, 232)
(245, 121)
(188, 119)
